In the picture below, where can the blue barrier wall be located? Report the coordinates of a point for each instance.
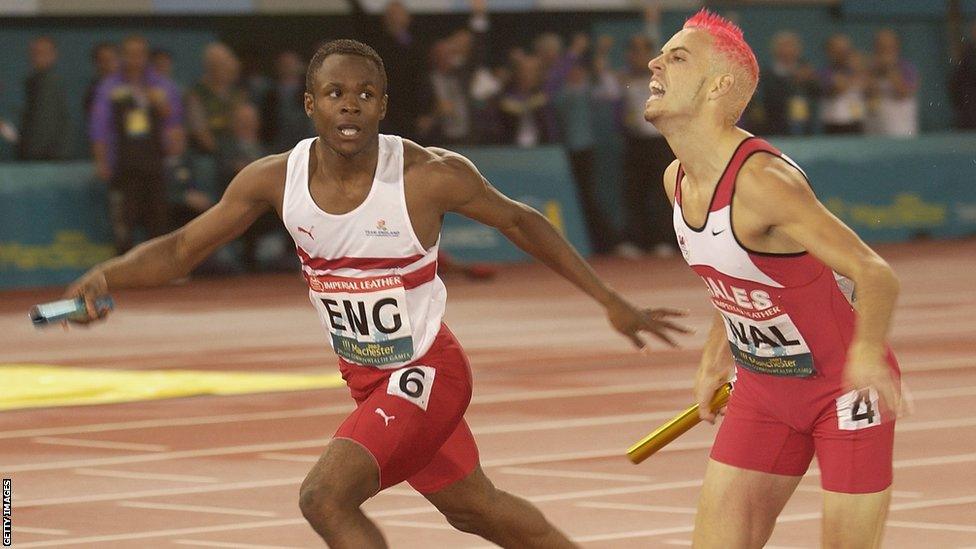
(538, 177)
(53, 223)
(893, 189)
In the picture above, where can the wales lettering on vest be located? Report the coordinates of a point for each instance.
(763, 338)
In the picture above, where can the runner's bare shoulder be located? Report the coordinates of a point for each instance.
(263, 179)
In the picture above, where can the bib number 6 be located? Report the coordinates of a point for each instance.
(412, 383)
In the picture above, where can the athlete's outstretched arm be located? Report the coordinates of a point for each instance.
(770, 185)
(174, 255)
(460, 188)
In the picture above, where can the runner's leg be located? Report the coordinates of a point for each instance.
(345, 476)
(738, 507)
(855, 444)
(475, 506)
(854, 521)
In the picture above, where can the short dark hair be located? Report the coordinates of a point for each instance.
(99, 47)
(343, 47)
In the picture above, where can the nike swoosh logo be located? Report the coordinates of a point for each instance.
(716, 233)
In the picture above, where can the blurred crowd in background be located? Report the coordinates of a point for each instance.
(144, 127)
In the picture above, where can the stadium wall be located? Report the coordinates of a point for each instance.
(54, 224)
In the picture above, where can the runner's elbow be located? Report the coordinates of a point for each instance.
(875, 271)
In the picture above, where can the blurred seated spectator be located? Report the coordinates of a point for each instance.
(575, 107)
(789, 88)
(43, 131)
(843, 104)
(210, 101)
(962, 84)
(105, 61)
(406, 69)
(449, 82)
(647, 219)
(892, 87)
(554, 67)
(242, 147)
(162, 62)
(283, 118)
(136, 116)
(243, 143)
(522, 105)
(186, 199)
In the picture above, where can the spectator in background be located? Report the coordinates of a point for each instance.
(406, 68)
(789, 87)
(242, 147)
(162, 62)
(892, 87)
(555, 65)
(449, 82)
(186, 199)
(647, 216)
(962, 84)
(243, 143)
(105, 61)
(842, 82)
(42, 127)
(574, 107)
(210, 101)
(283, 118)
(481, 85)
(136, 115)
(522, 105)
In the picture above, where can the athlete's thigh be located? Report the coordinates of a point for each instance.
(756, 463)
(854, 521)
(854, 442)
(738, 507)
(345, 471)
(406, 420)
(453, 466)
(473, 491)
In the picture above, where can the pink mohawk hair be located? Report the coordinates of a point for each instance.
(727, 39)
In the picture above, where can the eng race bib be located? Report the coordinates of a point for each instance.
(367, 318)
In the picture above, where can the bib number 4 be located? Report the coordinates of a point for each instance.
(412, 383)
(858, 410)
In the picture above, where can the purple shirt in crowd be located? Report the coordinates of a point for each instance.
(101, 128)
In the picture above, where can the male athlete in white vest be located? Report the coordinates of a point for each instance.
(365, 212)
(812, 376)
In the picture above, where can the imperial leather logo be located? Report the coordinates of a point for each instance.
(382, 230)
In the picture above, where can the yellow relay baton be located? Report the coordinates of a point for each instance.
(673, 429)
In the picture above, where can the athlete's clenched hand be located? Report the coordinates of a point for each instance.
(89, 287)
(867, 368)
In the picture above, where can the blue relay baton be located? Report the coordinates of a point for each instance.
(55, 312)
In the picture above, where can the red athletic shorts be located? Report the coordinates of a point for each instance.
(776, 425)
(411, 420)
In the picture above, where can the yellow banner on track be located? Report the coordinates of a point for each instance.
(38, 385)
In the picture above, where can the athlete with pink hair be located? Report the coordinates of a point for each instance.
(812, 376)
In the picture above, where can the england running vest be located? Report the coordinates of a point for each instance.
(374, 286)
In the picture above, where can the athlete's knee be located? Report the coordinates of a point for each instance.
(475, 517)
(321, 502)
